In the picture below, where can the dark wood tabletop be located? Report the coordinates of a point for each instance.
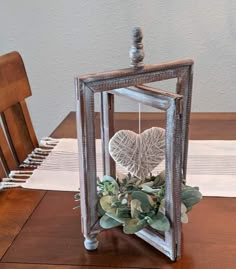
(39, 229)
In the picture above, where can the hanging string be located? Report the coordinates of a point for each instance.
(139, 118)
(139, 131)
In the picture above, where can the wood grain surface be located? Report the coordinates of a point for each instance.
(16, 206)
(42, 231)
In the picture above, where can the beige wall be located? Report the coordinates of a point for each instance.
(59, 39)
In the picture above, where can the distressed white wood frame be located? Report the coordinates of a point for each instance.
(177, 107)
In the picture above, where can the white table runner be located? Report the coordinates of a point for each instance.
(211, 166)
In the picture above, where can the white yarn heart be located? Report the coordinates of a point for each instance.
(138, 153)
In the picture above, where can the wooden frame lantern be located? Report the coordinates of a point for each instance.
(130, 84)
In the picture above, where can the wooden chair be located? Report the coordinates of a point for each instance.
(17, 136)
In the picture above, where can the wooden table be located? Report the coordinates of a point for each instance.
(39, 229)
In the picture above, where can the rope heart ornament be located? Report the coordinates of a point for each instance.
(138, 153)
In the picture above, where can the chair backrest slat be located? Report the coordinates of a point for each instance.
(17, 136)
(14, 84)
(7, 157)
(29, 124)
(2, 169)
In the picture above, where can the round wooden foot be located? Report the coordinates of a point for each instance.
(91, 243)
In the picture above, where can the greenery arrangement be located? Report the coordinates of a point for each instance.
(136, 204)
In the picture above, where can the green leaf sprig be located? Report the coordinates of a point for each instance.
(136, 204)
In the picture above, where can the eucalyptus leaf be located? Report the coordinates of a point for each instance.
(112, 181)
(133, 226)
(160, 222)
(145, 200)
(148, 189)
(106, 202)
(77, 197)
(184, 216)
(162, 208)
(115, 217)
(123, 213)
(183, 208)
(100, 209)
(131, 188)
(135, 208)
(190, 196)
(150, 214)
(108, 178)
(148, 183)
(189, 209)
(107, 222)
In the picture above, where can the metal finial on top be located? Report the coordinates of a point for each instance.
(136, 52)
